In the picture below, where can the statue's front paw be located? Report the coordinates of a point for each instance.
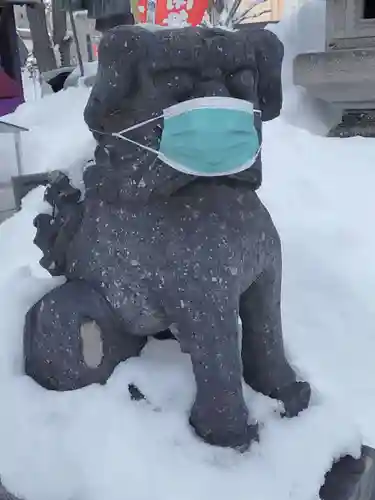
(228, 432)
(295, 397)
(46, 234)
(54, 235)
(60, 191)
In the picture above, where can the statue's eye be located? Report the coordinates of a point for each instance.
(242, 84)
(179, 83)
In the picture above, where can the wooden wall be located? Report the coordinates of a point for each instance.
(275, 8)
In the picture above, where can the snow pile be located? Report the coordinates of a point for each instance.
(89, 70)
(96, 443)
(57, 139)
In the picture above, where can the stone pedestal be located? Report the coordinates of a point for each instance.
(351, 479)
(355, 122)
(345, 78)
(343, 75)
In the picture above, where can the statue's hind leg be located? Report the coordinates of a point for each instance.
(207, 324)
(265, 366)
(72, 339)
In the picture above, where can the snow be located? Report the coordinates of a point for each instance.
(58, 138)
(89, 71)
(95, 443)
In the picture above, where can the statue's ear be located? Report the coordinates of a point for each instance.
(119, 53)
(269, 53)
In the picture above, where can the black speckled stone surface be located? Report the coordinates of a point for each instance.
(150, 248)
(5, 495)
(351, 479)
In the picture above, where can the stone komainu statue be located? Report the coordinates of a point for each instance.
(152, 249)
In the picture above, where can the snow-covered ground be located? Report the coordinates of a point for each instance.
(95, 443)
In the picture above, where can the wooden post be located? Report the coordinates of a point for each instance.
(75, 37)
(42, 47)
(18, 149)
(215, 9)
(276, 9)
(90, 54)
(60, 34)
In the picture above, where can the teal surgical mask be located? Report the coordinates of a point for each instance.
(208, 136)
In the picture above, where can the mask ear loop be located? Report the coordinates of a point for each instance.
(120, 135)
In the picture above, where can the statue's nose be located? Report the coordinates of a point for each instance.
(211, 83)
(211, 88)
(212, 74)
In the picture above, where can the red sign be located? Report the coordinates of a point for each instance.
(173, 13)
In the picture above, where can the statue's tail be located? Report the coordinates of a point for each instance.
(55, 232)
